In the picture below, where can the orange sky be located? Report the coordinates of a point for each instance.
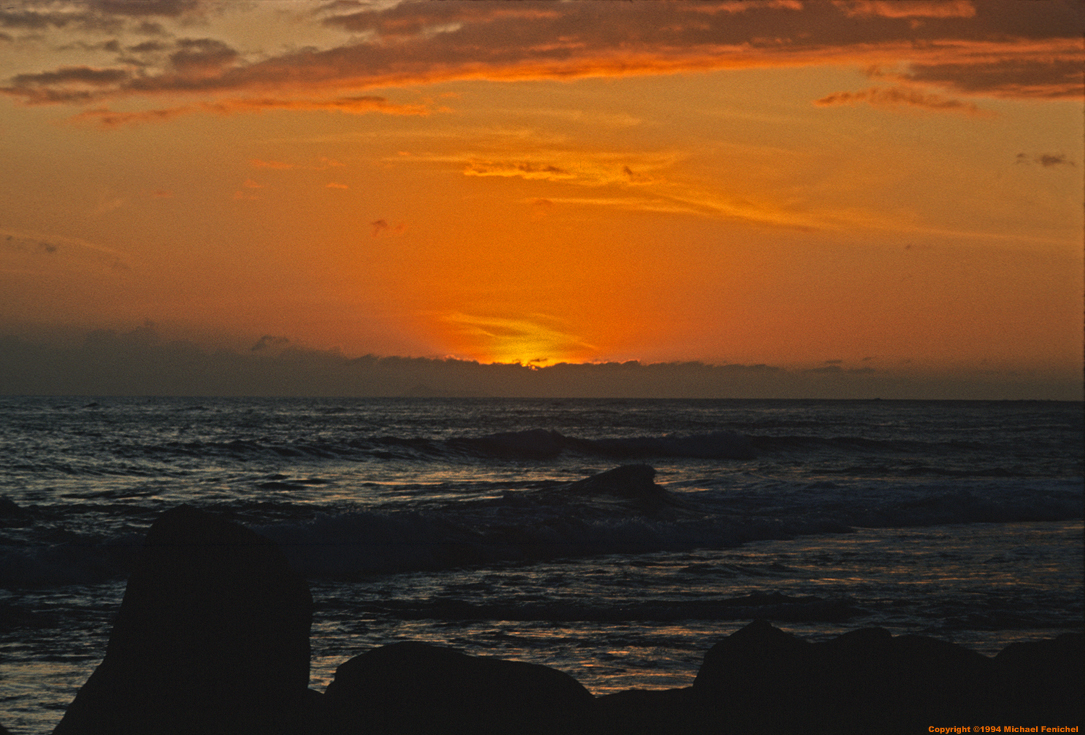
(878, 185)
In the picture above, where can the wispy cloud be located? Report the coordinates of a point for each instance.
(324, 164)
(636, 181)
(277, 165)
(901, 97)
(908, 8)
(68, 250)
(536, 339)
(526, 170)
(352, 105)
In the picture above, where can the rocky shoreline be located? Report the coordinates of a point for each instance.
(213, 637)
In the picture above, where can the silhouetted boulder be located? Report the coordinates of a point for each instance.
(9, 506)
(757, 677)
(763, 679)
(212, 636)
(1043, 681)
(632, 482)
(415, 688)
(865, 680)
(656, 712)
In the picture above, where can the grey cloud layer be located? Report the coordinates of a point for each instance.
(140, 363)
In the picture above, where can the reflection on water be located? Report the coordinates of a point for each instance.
(451, 521)
(617, 623)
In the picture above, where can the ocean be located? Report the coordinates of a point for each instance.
(464, 522)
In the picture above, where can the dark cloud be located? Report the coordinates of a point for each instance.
(35, 20)
(71, 75)
(268, 342)
(908, 8)
(66, 84)
(94, 15)
(1013, 77)
(111, 46)
(424, 39)
(1046, 160)
(76, 17)
(141, 362)
(148, 47)
(380, 227)
(202, 56)
(143, 8)
(826, 369)
(150, 28)
(992, 47)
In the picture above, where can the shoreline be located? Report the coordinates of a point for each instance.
(212, 601)
(647, 667)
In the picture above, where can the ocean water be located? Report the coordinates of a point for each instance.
(459, 522)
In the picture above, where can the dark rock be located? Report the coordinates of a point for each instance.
(1043, 681)
(763, 679)
(925, 678)
(757, 678)
(212, 637)
(9, 508)
(415, 688)
(653, 712)
(634, 482)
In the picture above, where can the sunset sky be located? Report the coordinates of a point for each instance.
(885, 187)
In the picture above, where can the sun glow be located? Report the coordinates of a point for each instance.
(899, 188)
(526, 341)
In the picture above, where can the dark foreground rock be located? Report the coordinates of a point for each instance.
(212, 637)
(414, 688)
(762, 679)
